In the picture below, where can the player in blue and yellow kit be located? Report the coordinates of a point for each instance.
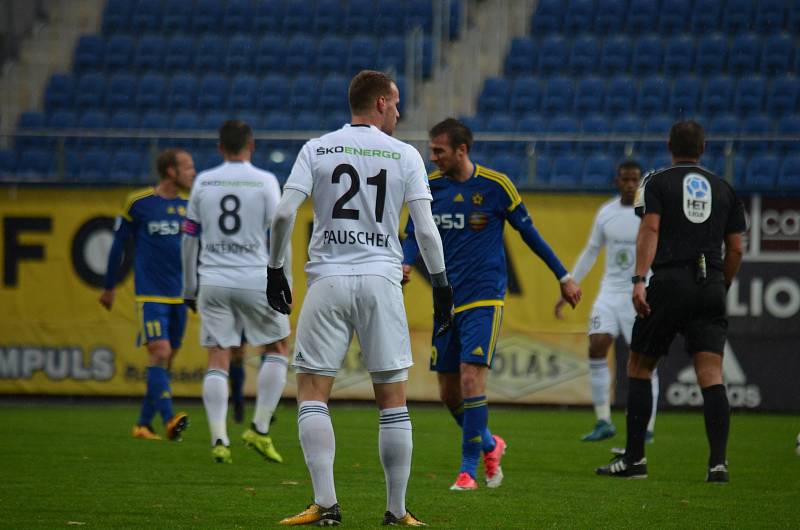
(152, 218)
(471, 205)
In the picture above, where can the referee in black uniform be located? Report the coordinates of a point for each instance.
(687, 213)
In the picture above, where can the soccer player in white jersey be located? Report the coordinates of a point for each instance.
(358, 177)
(229, 215)
(615, 228)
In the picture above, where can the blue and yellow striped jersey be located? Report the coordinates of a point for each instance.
(154, 223)
(471, 216)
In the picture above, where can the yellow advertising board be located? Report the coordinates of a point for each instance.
(55, 338)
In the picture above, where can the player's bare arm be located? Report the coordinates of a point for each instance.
(646, 243)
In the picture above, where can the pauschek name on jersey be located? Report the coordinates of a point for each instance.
(351, 237)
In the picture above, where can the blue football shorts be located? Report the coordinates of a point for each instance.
(471, 339)
(162, 322)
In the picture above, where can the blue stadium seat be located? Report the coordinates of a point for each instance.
(213, 93)
(566, 171)
(119, 52)
(207, 16)
(621, 94)
(495, 95)
(610, 16)
(473, 123)
(541, 170)
(648, 55)
(584, 55)
(252, 118)
(616, 54)
(759, 125)
(243, 92)
(418, 13)
(762, 172)
(722, 125)
(122, 120)
(60, 92)
(510, 165)
(674, 16)
(177, 16)
(391, 54)
(706, 16)
(652, 95)
(390, 18)
(776, 55)
(657, 126)
(300, 53)
(579, 16)
(783, 95)
(307, 121)
(712, 54)
(238, 16)
(684, 96)
(594, 124)
(180, 53)
(499, 123)
(548, 16)
(788, 125)
(278, 121)
(89, 53)
(561, 125)
(679, 55)
(91, 91)
(553, 54)
(35, 162)
(63, 119)
(270, 55)
(332, 54)
(304, 92)
(205, 159)
(273, 92)
(210, 53)
(121, 91)
(642, 15)
(793, 22)
(182, 92)
(789, 178)
(362, 54)
(558, 95)
(335, 120)
(149, 53)
(94, 165)
(184, 120)
(298, 16)
(333, 94)
(268, 17)
(360, 14)
(93, 119)
(733, 174)
(590, 94)
(150, 91)
(737, 16)
(28, 121)
(116, 16)
(745, 53)
(598, 172)
(630, 124)
(529, 124)
(749, 97)
(8, 163)
(154, 120)
(147, 16)
(328, 16)
(526, 95)
(241, 49)
(212, 121)
(126, 165)
(717, 94)
(523, 56)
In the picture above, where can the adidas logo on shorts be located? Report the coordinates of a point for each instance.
(299, 357)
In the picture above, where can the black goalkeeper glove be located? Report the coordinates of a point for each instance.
(279, 294)
(442, 309)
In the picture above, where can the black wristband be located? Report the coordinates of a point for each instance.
(637, 279)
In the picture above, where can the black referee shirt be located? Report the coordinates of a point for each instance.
(697, 210)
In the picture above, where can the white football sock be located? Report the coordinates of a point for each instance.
(215, 400)
(319, 447)
(271, 380)
(395, 446)
(598, 373)
(654, 381)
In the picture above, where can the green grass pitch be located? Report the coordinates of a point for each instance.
(75, 465)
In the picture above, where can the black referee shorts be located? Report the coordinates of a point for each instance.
(679, 304)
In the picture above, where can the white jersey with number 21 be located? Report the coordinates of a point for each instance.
(358, 178)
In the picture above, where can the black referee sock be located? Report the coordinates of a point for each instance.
(640, 404)
(717, 414)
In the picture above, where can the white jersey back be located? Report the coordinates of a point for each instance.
(358, 178)
(616, 227)
(234, 204)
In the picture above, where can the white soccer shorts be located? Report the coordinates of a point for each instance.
(337, 306)
(613, 313)
(226, 312)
